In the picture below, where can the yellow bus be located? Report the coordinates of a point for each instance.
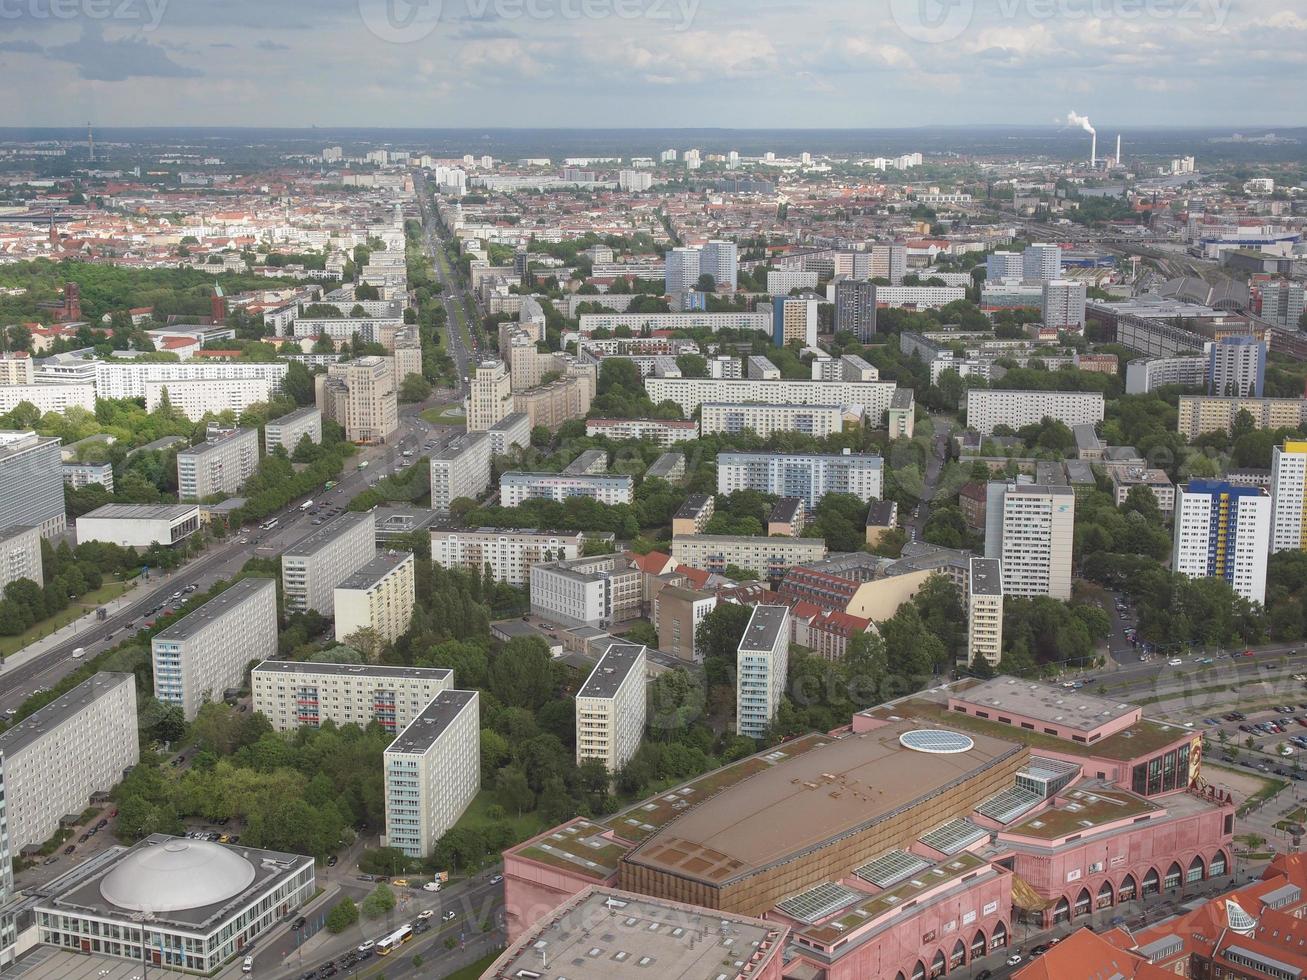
(396, 939)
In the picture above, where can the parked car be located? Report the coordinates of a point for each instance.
(247, 965)
(1014, 959)
(70, 848)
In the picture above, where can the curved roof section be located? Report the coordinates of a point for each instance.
(177, 875)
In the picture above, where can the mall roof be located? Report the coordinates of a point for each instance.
(1044, 702)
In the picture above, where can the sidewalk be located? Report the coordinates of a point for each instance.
(65, 633)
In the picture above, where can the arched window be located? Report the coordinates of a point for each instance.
(920, 972)
(999, 939)
(937, 965)
(958, 956)
(1082, 902)
(1196, 869)
(1172, 879)
(900, 976)
(1218, 866)
(1127, 890)
(1104, 896)
(1061, 911)
(978, 944)
(1152, 883)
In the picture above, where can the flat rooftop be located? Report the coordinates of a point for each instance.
(612, 670)
(693, 505)
(1044, 702)
(605, 934)
(518, 476)
(459, 445)
(220, 442)
(986, 576)
(509, 421)
(215, 608)
(1083, 809)
(379, 671)
(314, 542)
(763, 454)
(375, 570)
(63, 708)
(292, 417)
(432, 722)
(803, 802)
(142, 512)
(766, 624)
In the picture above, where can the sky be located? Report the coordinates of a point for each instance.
(651, 63)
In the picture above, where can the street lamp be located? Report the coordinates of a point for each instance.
(143, 917)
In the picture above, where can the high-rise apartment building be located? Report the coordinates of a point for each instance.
(992, 407)
(218, 467)
(1004, 265)
(889, 261)
(610, 708)
(607, 488)
(31, 482)
(432, 772)
(1064, 304)
(818, 421)
(379, 596)
(1041, 262)
(287, 430)
(985, 611)
(682, 270)
(721, 260)
(1283, 303)
(292, 694)
(508, 554)
(204, 653)
(1030, 529)
(855, 308)
(16, 368)
(794, 320)
(313, 566)
(762, 663)
(1223, 531)
(362, 396)
(490, 397)
(809, 476)
(678, 613)
(59, 756)
(461, 469)
(8, 917)
(20, 555)
(1289, 496)
(1236, 367)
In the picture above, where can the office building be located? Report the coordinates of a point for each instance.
(491, 396)
(663, 432)
(689, 393)
(1236, 367)
(807, 476)
(855, 309)
(678, 612)
(1282, 303)
(31, 482)
(379, 596)
(991, 407)
(596, 591)
(1030, 529)
(1041, 262)
(361, 395)
(313, 566)
(610, 708)
(287, 430)
(511, 432)
(1064, 305)
(218, 467)
(517, 487)
(508, 554)
(794, 321)
(461, 469)
(1223, 531)
(20, 555)
(1289, 496)
(762, 663)
(292, 694)
(203, 654)
(139, 525)
(985, 611)
(64, 753)
(767, 558)
(818, 421)
(184, 905)
(79, 476)
(1004, 265)
(432, 772)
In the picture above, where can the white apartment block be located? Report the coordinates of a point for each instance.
(768, 558)
(287, 431)
(1223, 531)
(218, 467)
(212, 396)
(762, 662)
(517, 487)
(379, 596)
(725, 367)
(1003, 265)
(759, 321)
(48, 397)
(781, 281)
(313, 566)
(16, 368)
(510, 555)
(206, 652)
(490, 397)
(610, 708)
(761, 369)
(987, 408)
(20, 555)
(511, 431)
(985, 611)
(1064, 304)
(461, 469)
(807, 476)
(1030, 529)
(432, 772)
(922, 297)
(689, 393)
(59, 756)
(292, 694)
(81, 475)
(663, 432)
(595, 591)
(1288, 497)
(129, 379)
(1143, 375)
(819, 421)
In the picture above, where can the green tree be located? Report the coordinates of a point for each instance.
(342, 915)
(379, 901)
(513, 791)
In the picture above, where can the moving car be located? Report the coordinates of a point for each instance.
(247, 965)
(431, 886)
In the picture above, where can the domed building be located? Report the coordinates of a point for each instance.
(198, 903)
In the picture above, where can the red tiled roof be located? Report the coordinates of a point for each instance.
(1085, 955)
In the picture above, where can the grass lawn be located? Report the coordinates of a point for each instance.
(525, 826)
(445, 415)
(473, 970)
(10, 645)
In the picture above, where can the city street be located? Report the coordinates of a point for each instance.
(452, 296)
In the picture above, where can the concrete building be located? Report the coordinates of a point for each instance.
(287, 430)
(1143, 375)
(591, 462)
(509, 554)
(1041, 262)
(139, 525)
(31, 482)
(669, 467)
(901, 415)
(20, 555)
(1283, 303)
(1063, 305)
(781, 282)
(693, 515)
(985, 611)
(218, 467)
(82, 475)
(313, 566)
(1029, 528)
(461, 469)
(597, 591)
(677, 614)
(1223, 531)
(62, 754)
(664, 432)
(882, 517)
(16, 368)
(432, 772)
(759, 321)
(768, 558)
(362, 396)
(48, 397)
(855, 308)
(1004, 265)
(919, 297)
(179, 904)
(762, 663)
(787, 518)
(206, 652)
(610, 708)
(490, 397)
(517, 487)
(127, 378)
(559, 401)
(510, 432)
(293, 694)
(1201, 414)
(209, 396)
(1288, 496)
(682, 270)
(1236, 367)
(379, 596)
(818, 421)
(1126, 476)
(991, 407)
(690, 393)
(794, 320)
(807, 476)
(758, 368)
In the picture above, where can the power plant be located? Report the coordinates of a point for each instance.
(1074, 118)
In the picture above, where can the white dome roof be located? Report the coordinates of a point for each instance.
(180, 874)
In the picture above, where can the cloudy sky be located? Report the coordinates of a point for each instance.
(731, 63)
